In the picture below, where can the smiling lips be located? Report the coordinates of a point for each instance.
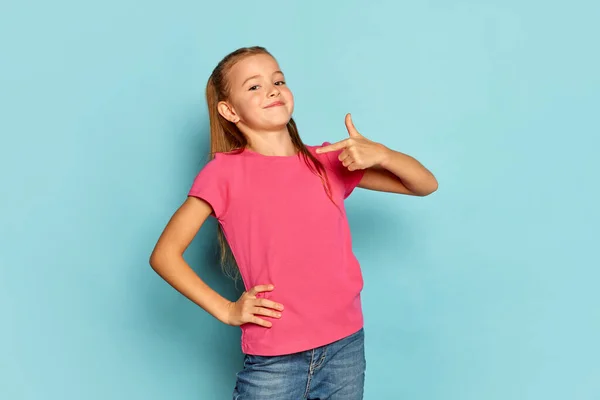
(275, 104)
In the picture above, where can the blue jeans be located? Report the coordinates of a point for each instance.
(333, 372)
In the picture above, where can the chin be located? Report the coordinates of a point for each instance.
(277, 123)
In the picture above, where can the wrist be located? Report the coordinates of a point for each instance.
(224, 312)
(386, 154)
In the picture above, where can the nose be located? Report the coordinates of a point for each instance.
(274, 92)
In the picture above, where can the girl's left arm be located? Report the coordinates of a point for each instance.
(386, 170)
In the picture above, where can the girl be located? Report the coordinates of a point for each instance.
(279, 204)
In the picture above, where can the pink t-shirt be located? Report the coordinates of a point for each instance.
(284, 230)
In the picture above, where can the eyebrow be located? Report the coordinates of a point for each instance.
(258, 76)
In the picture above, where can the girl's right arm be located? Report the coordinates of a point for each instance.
(168, 262)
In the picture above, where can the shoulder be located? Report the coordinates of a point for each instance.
(313, 150)
(221, 162)
(216, 169)
(329, 160)
(215, 175)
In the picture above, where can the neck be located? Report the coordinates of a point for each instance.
(270, 143)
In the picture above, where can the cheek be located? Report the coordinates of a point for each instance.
(249, 104)
(287, 93)
(288, 96)
(253, 100)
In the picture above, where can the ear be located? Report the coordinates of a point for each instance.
(227, 112)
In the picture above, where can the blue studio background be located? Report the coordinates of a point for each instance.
(488, 289)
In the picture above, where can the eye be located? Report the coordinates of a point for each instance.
(255, 87)
(279, 83)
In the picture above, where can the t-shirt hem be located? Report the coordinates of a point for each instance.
(304, 346)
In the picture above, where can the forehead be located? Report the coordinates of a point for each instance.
(258, 64)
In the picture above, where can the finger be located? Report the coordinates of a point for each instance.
(347, 161)
(352, 132)
(267, 312)
(354, 167)
(269, 304)
(343, 155)
(333, 147)
(261, 322)
(259, 289)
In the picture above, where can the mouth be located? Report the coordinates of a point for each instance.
(275, 104)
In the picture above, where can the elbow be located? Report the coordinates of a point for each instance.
(163, 257)
(431, 187)
(156, 259)
(153, 261)
(434, 186)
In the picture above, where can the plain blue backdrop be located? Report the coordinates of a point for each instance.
(487, 289)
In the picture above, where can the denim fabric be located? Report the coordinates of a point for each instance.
(332, 372)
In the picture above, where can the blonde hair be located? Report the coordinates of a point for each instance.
(226, 137)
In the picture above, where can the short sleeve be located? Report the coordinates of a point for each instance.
(348, 179)
(211, 187)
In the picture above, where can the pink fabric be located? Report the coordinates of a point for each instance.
(284, 230)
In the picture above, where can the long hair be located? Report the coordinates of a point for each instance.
(226, 137)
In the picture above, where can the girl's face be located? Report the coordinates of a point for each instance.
(258, 96)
